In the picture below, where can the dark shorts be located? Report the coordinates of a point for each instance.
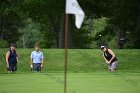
(36, 66)
(12, 67)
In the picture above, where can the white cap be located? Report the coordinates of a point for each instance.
(102, 47)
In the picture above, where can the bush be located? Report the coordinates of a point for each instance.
(112, 43)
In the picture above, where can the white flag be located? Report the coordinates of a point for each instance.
(72, 7)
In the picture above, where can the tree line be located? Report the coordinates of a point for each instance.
(114, 23)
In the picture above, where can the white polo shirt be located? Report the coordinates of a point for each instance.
(37, 56)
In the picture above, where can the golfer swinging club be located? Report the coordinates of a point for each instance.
(37, 59)
(110, 58)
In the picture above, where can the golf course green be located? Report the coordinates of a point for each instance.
(77, 83)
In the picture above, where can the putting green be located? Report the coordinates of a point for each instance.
(77, 83)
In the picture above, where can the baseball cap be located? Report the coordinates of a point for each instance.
(102, 47)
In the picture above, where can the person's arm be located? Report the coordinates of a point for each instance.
(17, 57)
(105, 59)
(113, 55)
(42, 60)
(7, 56)
(31, 61)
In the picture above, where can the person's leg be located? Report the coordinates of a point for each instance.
(114, 65)
(9, 69)
(109, 67)
(12, 66)
(39, 67)
(15, 67)
(34, 67)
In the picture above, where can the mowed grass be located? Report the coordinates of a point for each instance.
(77, 83)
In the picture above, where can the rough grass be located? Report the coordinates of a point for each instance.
(79, 60)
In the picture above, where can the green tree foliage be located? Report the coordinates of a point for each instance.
(97, 36)
(122, 16)
(119, 29)
(48, 14)
(30, 34)
(123, 23)
(10, 20)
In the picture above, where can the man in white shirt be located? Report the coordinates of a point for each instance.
(37, 59)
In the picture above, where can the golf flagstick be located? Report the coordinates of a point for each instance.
(72, 7)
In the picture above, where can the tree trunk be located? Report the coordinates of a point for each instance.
(62, 32)
(120, 39)
(70, 43)
(54, 31)
(2, 28)
(137, 27)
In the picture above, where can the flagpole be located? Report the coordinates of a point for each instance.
(66, 53)
(72, 7)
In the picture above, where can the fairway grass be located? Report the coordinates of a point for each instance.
(77, 83)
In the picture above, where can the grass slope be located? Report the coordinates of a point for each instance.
(79, 60)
